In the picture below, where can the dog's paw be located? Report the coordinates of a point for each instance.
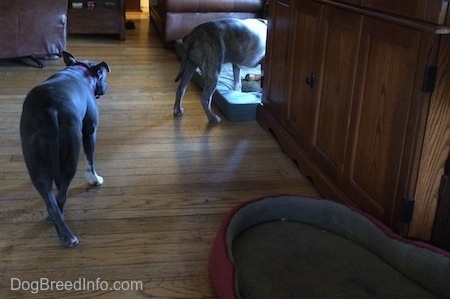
(93, 179)
(70, 241)
(215, 119)
(178, 111)
(48, 220)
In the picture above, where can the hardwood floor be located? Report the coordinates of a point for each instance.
(168, 182)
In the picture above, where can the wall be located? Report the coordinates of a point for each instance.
(145, 5)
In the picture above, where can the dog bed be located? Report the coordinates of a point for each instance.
(234, 105)
(296, 247)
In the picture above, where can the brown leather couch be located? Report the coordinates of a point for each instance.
(174, 19)
(32, 28)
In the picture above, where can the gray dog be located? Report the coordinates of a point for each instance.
(209, 45)
(56, 116)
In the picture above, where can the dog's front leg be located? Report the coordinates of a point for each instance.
(237, 78)
(89, 136)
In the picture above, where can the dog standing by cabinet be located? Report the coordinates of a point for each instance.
(211, 44)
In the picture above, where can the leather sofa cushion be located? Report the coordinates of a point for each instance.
(174, 19)
(179, 24)
(212, 5)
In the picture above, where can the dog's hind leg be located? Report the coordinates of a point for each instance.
(66, 237)
(56, 216)
(237, 78)
(43, 167)
(43, 184)
(186, 76)
(211, 77)
(68, 156)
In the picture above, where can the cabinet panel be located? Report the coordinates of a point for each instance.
(386, 70)
(433, 11)
(276, 81)
(300, 110)
(340, 39)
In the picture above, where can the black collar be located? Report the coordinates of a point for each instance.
(86, 68)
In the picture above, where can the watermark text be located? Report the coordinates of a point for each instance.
(81, 284)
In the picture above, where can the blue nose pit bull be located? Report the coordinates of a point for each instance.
(211, 44)
(58, 116)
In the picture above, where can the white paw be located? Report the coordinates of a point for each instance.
(93, 179)
(178, 111)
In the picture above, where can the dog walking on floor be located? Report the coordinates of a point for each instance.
(58, 116)
(211, 44)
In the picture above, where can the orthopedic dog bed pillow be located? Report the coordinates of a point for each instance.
(297, 247)
(234, 105)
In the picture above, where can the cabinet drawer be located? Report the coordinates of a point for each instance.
(92, 21)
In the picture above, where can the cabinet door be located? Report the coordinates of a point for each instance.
(433, 11)
(300, 109)
(382, 114)
(276, 82)
(335, 80)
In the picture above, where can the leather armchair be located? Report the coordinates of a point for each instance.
(32, 28)
(174, 19)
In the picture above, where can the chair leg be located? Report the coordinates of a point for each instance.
(37, 61)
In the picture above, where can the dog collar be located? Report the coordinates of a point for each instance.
(85, 68)
(88, 72)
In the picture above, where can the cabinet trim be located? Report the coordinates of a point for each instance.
(416, 24)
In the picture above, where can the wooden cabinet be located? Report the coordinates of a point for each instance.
(348, 96)
(96, 17)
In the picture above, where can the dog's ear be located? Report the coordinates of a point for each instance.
(102, 65)
(68, 58)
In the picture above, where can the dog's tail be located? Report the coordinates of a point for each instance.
(186, 49)
(180, 73)
(183, 65)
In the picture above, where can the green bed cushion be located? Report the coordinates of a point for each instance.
(298, 247)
